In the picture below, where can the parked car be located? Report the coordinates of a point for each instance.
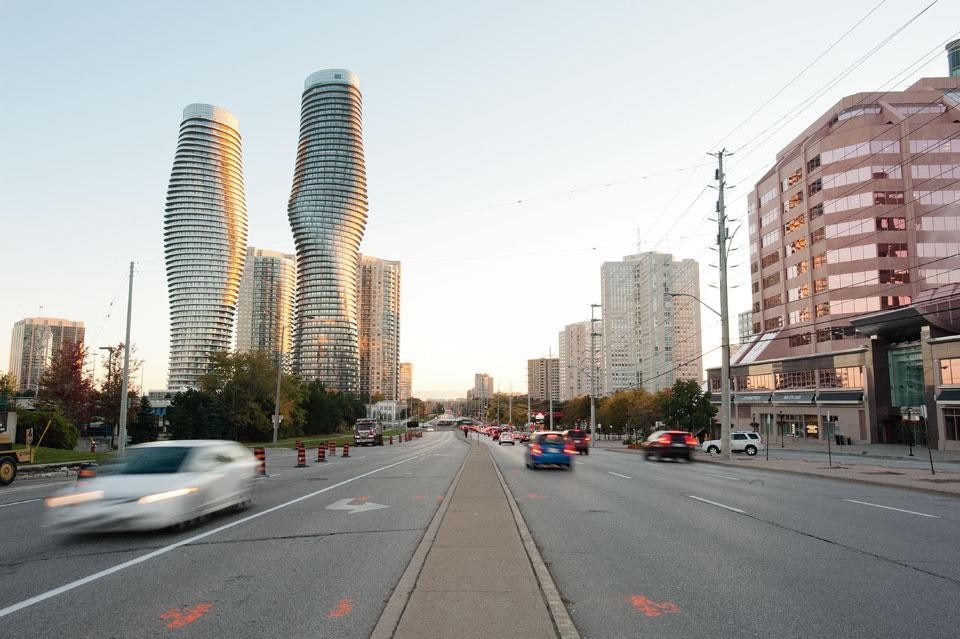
(742, 441)
(579, 439)
(506, 437)
(548, 447)
(669, 444)
(156, 485)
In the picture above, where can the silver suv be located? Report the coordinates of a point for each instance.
(742, 441)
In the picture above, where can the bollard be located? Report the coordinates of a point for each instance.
(332, 448)
(321, 454)
(391, 440)
(261, 454)
(301, 458)
(346, 450)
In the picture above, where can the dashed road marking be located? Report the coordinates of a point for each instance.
(724, 476)
(899, 510)
(17, 503)
(717, 504)
(610, 472)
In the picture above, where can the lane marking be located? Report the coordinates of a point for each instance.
(618, 474)
(17, 503)
(344, 608)
(899, 510)
(724, 476)
(26, 603)
(180, 617)
(347, 504)
(718, 504)
(578, 462)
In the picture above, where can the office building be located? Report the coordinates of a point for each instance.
(651, 322)
(34, 342)
(265, 306)
(744, 325)
(328, 214)
(379, 337)
(205, 239)
(855, 268)
(543, 379)
(576, 370)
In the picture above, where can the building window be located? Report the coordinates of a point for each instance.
(799, 340)
(794, 379)
(951, 423)
(813, 163)
(894, 301)
(894, 276)
(820, 285)
(819, 260)
(756, 327)
(816, 211)
(818, 235)
(772, 323)
(799, 316)
(797, 269)
(846, 377)
(950, 371)
(888, 197)
(822, 309)
(794, 224)
(892, 250)
(756, 307)
(891, 224)
(770, 280)
(756, 286)
(816, 186)
(770, 258)
(772, 301)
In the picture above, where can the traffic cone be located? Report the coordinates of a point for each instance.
(346, 450)
(391, 440)
(332, 448)
(261, 454)
(301, 457)
(298, 444)
(321, 454)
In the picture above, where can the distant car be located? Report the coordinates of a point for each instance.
(430, 429)
(742, 441)
(506, 437)
(669, 444)
(495, 433)
(580, 440)
(156, 485)
(549, 448)
(521, 436)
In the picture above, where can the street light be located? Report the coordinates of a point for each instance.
(724, 367)
(276, 402)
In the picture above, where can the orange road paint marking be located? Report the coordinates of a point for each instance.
(439, 497)
(536, 496)
(180, 617)
(361, 498)
(651, 608)
(419, 497)
(344, 608)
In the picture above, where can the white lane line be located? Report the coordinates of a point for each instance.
(899, 510)
(17, 503)
(26, 603)
(617, 474)
(717, 504)
(576, 462)
(724, 477)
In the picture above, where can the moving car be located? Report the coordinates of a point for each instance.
(669, 444)
(549, 447)
(579, 439)
(156, 485)
(506, 437)
(742, 441)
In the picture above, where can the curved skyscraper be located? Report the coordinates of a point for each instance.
(328, 213)
(205, 239)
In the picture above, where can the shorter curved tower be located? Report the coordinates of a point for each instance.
(205, 239)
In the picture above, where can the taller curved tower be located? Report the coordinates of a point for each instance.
(205, 239)
(328, 214)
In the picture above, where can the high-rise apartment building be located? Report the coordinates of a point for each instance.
(406, 381)
(34, 342)
(379, 337)
(651, 335)
(543, 379)
(576, 370)
(205, 237)
(482, 387)
(328, 214)
(268, 290)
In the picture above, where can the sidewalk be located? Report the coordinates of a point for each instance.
(477, 579)
(946, 463)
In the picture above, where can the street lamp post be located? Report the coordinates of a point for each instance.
(276, 401)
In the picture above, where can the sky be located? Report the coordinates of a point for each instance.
(511, 147)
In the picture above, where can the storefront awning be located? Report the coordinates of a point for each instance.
(949, 395)
(794, 397)
(752, 398)
(839, 397)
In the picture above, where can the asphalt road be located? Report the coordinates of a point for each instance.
(289, 566)
(674, 549)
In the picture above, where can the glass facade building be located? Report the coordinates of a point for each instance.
(205, 239)
(267, 298)
(328, 215)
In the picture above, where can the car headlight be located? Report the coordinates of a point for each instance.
(72, 499)
(170, 494)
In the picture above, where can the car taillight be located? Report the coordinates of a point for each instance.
(664, 440)
(691, 440)
(587, 438)
(569, 450)
(536, 450)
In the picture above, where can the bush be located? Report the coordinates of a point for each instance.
(62, 434)
(628, 441)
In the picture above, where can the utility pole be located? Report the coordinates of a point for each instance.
(549, 389)
(276, 402)
(122, 444)
(593, 378)
(722, 238)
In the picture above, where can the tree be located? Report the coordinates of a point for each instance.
(195, 415)
(327, 411)
(111, 389)
(576, 409)
(8, 385)
(687, 407)
(144, 426)
(65, 387)
(244, 384)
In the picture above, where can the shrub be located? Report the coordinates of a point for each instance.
(62, 434)
(628, 441)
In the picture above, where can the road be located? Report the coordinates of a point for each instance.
(289, 566)
(674, 549)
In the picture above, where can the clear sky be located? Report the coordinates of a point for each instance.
(511, 147)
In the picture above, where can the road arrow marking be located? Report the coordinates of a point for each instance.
(345, 504)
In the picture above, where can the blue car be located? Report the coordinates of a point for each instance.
(549, 447)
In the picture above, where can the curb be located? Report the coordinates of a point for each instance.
(551, 596)
(393, 611)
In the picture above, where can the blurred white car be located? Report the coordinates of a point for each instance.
(506, 437)
(156, 485)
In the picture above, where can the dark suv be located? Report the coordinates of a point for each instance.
(577, 439)
(663, 444)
